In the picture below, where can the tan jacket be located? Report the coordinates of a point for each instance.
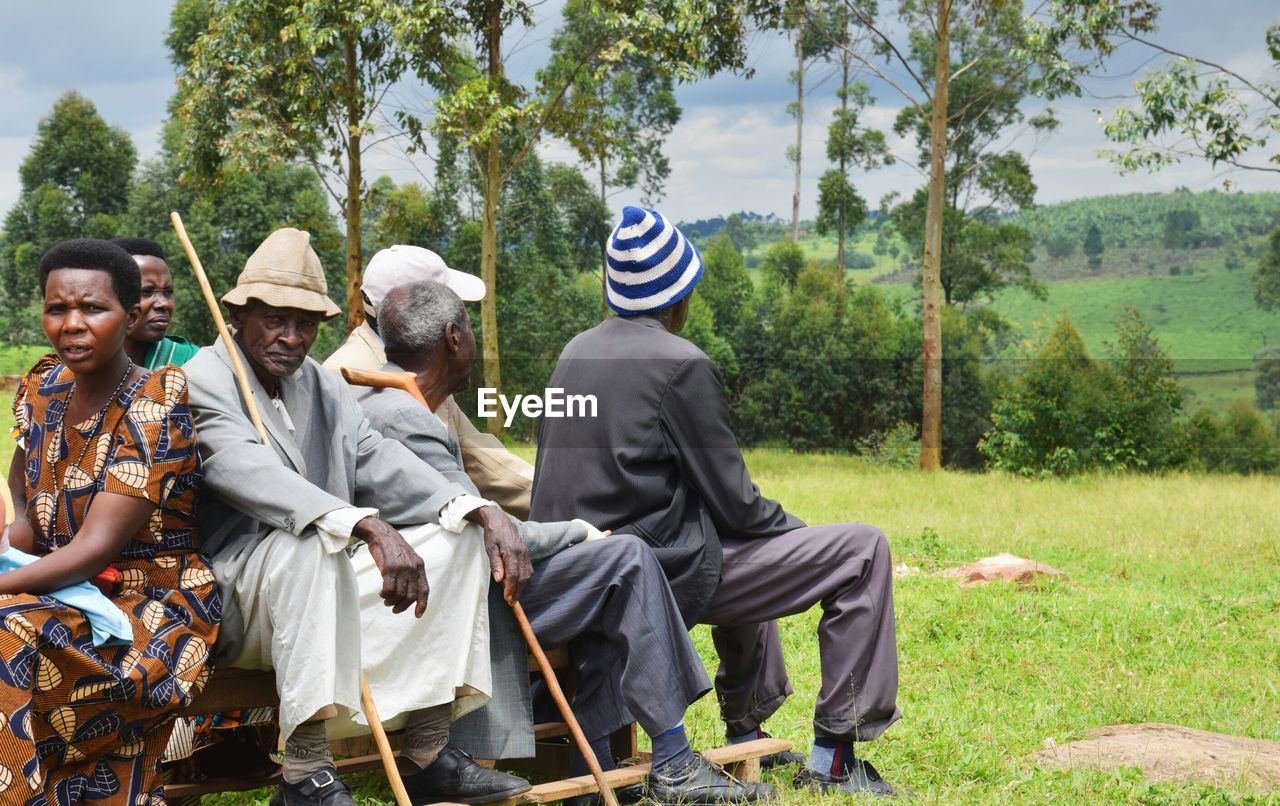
(501, 476)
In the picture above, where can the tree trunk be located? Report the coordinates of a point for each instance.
(931, 423)
(844, 107)
(604, 258)
(489, 227)
(795, 196)
(355, 303)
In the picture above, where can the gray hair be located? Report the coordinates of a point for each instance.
(412, 318)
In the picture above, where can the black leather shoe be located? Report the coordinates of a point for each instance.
(625, 794)
(861, 779)
(323, 788)
(704, 784)
(454, 776)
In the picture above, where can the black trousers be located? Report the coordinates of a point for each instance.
(609, 603)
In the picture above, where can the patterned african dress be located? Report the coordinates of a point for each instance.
(79, 722)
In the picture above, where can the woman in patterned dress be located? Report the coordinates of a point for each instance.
(105, 476)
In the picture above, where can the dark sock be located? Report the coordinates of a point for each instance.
(831, 757)
(604, 754)
(672, 754)
(749, 736)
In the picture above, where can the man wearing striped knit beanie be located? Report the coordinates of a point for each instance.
(659, 461)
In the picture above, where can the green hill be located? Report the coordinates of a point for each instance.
(1184, 260)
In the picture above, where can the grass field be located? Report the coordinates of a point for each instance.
(1171, 614)
(1208, 318)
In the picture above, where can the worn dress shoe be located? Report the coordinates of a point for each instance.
(860, 779)
(454, 776)
(704, 784)
(322, 788)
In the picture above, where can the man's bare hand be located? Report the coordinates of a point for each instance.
(404, 576)
(508, 557)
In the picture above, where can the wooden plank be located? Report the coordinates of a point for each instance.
(549, 730)
(233, 689)
(625, 776)
(743, 757)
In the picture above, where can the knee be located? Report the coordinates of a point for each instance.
(627, 554)
(865, 542)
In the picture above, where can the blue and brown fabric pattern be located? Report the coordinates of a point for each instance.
(79, 722)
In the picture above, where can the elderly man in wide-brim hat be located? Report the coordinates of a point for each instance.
(317, 583)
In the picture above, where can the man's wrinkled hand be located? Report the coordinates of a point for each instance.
(404, 576)
(508, 557)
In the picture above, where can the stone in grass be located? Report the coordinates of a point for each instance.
(1174, 753)
(1002, 568)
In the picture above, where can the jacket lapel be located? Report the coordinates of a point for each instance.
(276, 428)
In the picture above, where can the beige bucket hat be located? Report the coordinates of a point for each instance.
(285, 272)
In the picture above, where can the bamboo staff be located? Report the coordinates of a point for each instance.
(242, 377)
(406, 382)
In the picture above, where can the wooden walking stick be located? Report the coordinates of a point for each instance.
(242, 377)
(405, 381)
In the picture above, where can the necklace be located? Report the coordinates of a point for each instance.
(58, 481)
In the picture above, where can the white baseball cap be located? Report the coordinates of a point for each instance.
(403, 264)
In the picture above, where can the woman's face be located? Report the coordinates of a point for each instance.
(84, 320)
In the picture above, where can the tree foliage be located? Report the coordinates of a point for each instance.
(1066, 413)
(627, 106)
(783, 263)
(276, 80)
(226, 224)
(1266, 278)
(74, 183)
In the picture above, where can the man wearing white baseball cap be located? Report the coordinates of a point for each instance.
(501, 476)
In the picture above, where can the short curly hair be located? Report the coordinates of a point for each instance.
(91, 253)
(140, 246)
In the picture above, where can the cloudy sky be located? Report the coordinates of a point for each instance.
(727, 153)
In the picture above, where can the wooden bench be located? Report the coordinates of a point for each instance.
(235, 689)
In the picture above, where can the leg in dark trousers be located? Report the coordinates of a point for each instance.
(609, 602)
(846, 568)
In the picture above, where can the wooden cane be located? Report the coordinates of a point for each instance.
(406, 381)
(242, 377)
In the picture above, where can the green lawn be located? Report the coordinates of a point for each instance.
(1171, 614)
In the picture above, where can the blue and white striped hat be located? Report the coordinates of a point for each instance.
(651, 264)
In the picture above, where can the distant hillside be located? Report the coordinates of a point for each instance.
(1185, 260)
(707, 227)
(1146, 234)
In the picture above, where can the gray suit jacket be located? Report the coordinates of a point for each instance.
(335, 460)
(659, 460)
(504, 727)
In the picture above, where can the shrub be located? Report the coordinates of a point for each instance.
(1066, 413)
(1242, 441)
(858, 260)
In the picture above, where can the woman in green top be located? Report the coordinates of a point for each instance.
(146, 342)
